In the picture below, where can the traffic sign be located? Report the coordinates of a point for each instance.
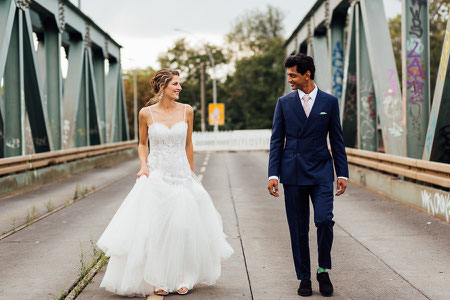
(216, 113)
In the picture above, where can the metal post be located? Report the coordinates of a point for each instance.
(384, 73)
(365, 93)
(323, 69)
(52, 44)
(416, 73)
(99, 73)
(337, 54)
(437, 146)
(202, 97)
(213, 66)
(135, 105)
(348, 104)
(14, 93)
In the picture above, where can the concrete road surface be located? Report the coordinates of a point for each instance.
(382, 250)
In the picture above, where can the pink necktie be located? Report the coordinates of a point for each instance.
(305, 104)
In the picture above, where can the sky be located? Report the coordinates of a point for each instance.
(147, 28)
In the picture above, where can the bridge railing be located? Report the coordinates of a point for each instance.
(426, 171)
(236, 140)
(33, 161)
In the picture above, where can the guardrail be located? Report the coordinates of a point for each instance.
(236, 140)
(417, 169)
(33, 161)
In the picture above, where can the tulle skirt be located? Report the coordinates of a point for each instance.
(163, 236)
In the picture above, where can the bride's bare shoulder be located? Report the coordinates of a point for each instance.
(143, 113)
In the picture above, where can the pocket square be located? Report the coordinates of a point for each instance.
(323, 113)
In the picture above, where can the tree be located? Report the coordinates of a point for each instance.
(438, 16)
(188, 59)
(257, 82)
(143, 77)
(254, 31)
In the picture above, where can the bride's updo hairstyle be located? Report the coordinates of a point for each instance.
(159, 82)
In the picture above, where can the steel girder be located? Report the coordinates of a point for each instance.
(61, 113)
(22, 85)
(370, 89)
(348, 107)
(385, 78)
(416, 73)
(365, 93)
(437, 146)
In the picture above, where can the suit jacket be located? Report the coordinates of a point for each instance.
(298, 146)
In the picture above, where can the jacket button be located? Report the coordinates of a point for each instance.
(298, 154)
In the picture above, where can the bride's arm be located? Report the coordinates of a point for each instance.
(143, 142)
(189, 146)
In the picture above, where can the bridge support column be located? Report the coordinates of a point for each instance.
(416, 73)
(52, 44)
(348, 109)
(14, 91)
(437, 146)
(337, 54)
(367, 113)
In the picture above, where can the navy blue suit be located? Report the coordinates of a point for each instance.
(299, 156)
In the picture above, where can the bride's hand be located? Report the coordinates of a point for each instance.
(142, 171)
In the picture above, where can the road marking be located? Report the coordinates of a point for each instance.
(202, 169)
(205, 163)
(200, 177)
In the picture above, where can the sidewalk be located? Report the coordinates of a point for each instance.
(382, 250)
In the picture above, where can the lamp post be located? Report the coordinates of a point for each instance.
(213, 66)
(134, 103)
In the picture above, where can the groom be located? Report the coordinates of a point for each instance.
(299, 158)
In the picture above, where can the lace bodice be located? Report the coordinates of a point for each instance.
(168, 150)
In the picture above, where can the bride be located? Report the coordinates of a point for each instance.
(167, 235)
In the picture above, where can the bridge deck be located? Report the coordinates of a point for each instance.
(382, 250)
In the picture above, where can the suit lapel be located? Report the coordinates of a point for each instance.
(317, 107)
(296, 106)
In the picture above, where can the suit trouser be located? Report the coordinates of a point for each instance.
(297, 211)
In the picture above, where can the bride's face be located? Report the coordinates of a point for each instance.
(173, 89)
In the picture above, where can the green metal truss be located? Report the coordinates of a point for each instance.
(86, 108)
(437, 146)
(374, 110)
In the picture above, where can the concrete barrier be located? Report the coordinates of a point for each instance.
(236, 140)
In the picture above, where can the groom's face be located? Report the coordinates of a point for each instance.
(297, 80)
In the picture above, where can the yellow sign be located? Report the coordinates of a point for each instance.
(216, 114)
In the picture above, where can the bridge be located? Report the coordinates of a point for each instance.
(67, 160)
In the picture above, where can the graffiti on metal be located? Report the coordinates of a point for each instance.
(437, 204)
(338, 66)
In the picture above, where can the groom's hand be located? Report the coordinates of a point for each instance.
(341, 186)
(273, 187)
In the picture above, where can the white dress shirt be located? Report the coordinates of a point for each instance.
(311, 101)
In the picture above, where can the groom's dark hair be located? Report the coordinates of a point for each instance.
(303, 62)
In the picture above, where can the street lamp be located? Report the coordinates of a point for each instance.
(125, 76)
(213, 66)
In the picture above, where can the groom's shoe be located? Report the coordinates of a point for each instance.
(325, 285)
(305, 288)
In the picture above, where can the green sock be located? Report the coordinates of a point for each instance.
(321, 270)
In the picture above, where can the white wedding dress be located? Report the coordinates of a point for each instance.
(167, 233)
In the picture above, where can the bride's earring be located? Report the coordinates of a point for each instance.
(160, 96)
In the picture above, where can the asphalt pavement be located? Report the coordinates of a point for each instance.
(382, 249)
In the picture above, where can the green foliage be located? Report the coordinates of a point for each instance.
(81, 191)
(253, 89)
(258, 79)
(144, 94)
(188, 59)
(255, 30)
(49, 205)
(439, 13)
(255, 49)
(32, 215)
